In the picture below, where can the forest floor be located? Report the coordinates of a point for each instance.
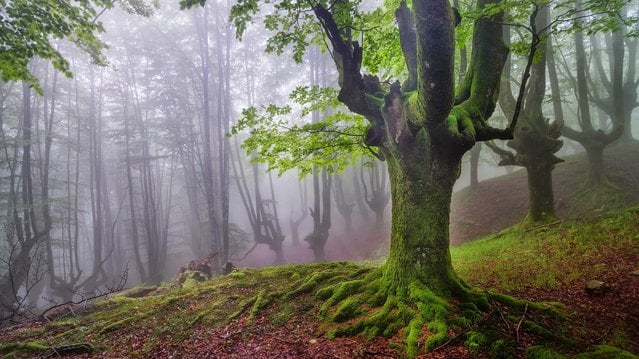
(501, 202)
(267, 313)
(260, 313)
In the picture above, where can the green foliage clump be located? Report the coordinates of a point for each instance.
(279, 140)
(476, 342)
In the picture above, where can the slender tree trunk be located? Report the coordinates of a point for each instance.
(295, 223)
(207, 165)
(135, 236)
(359, 196)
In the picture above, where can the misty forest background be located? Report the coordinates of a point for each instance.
(128, 169)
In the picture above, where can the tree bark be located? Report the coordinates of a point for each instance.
(421, 188)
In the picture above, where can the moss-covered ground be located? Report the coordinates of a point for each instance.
(296, 311)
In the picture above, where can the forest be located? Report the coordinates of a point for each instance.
(319, 179)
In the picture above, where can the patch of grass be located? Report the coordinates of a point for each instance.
(601, 198)
(546, 256)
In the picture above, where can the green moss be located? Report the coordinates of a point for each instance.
(139, 291)
(283, 313)
(542, 352)
(608, 352)
(439, 334)
(544, 332)
(414, 335)
(476, 342)
(262, 299)
(22, 350)
(237, 274)
(340, 292)
(116, 325)
(348, 309)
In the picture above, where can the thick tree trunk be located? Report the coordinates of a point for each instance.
(421, 188)
(540, 192)
(318, 253)
(295, 232)
(595, 164)
(279, 251)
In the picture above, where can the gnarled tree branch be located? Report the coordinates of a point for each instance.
(355, 90)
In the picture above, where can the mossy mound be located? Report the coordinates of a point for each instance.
(170, 312)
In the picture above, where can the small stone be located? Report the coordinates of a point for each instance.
(597, 287)
(312, 341)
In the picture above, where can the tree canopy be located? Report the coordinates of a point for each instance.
(30, 29)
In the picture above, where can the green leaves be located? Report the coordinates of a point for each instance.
(275, 138)
(29, 29)
(383, 53)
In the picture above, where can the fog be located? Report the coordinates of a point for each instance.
(133, 171)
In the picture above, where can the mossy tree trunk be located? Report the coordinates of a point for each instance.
(536, 140)
(422, 178)
(422, 128)
(541, 200)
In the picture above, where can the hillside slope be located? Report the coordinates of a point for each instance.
(502, 202)
(273, 312)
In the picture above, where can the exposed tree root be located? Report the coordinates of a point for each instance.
(371, 305)
(374, 307)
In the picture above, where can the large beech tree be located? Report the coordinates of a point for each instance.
(421, 128)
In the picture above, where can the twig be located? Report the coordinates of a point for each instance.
(602, 336)
(450, 340)
(502, 317)
(521, 321)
